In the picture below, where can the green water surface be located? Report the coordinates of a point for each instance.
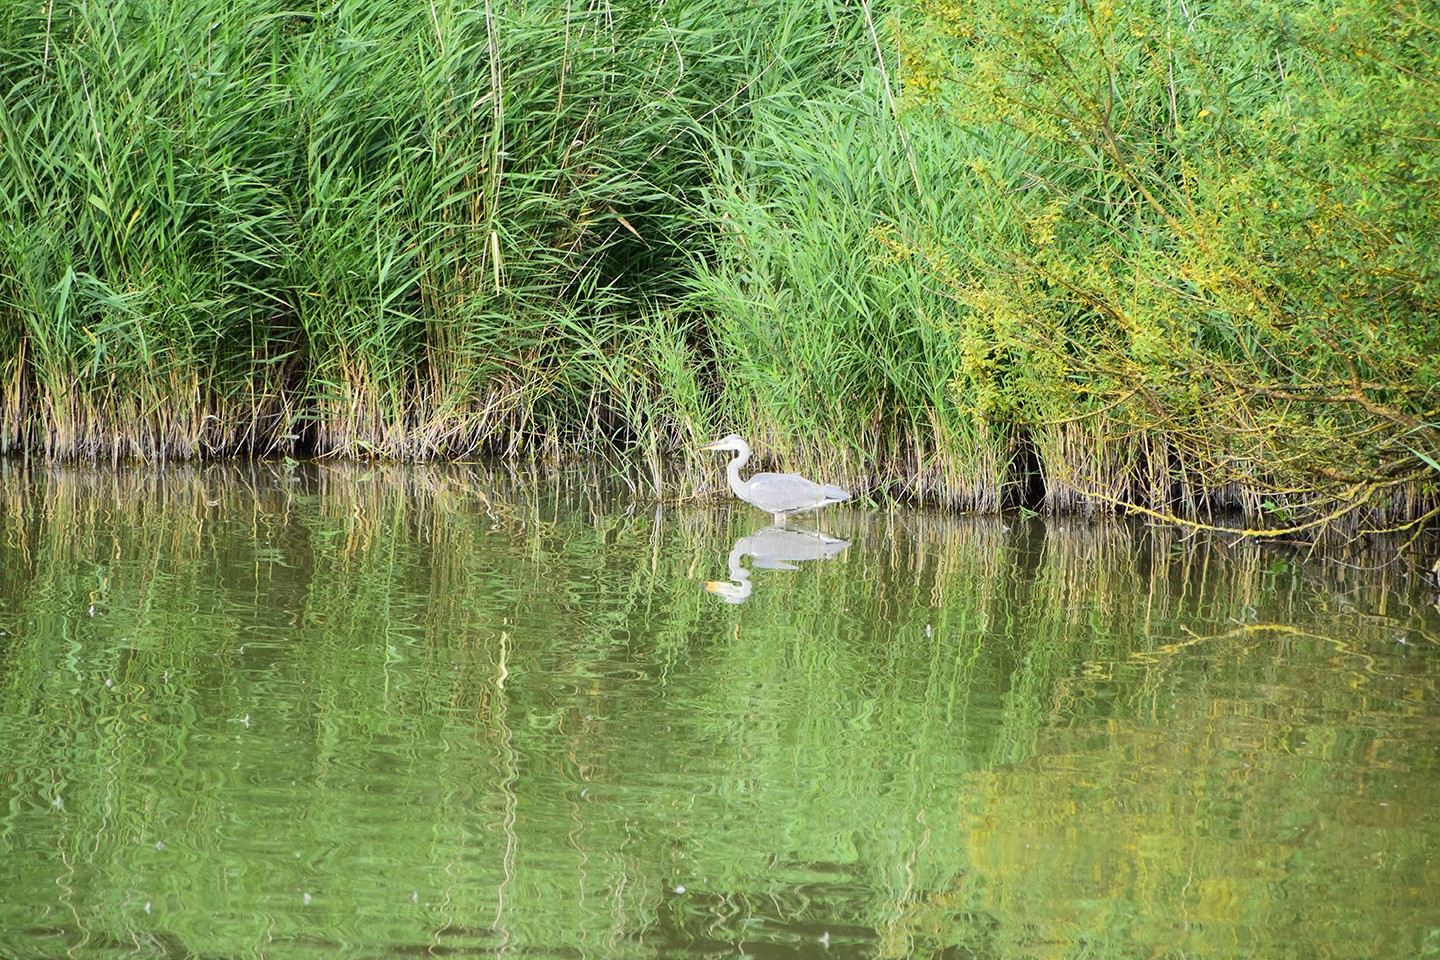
(329, 711)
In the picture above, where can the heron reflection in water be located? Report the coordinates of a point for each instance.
(780, 494)
(774, 548)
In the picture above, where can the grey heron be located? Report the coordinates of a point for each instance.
(778, 493)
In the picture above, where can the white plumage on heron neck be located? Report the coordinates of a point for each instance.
(780, 494)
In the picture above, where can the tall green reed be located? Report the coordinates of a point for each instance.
(392, 229)
(837, 347)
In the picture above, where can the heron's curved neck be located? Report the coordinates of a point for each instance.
(733, 469)
(738, 572)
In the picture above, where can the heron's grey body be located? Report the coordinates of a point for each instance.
(780, 494)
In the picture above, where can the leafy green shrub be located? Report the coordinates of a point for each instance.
(1220, 248)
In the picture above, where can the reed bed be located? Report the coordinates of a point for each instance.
(394, 230)
(1093, 256)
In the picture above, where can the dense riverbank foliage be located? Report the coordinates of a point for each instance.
(1075, 254)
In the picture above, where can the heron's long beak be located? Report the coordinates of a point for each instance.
(713, 445)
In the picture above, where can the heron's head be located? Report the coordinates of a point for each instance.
(732, 442)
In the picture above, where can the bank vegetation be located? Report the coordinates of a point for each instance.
(1178, 258)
